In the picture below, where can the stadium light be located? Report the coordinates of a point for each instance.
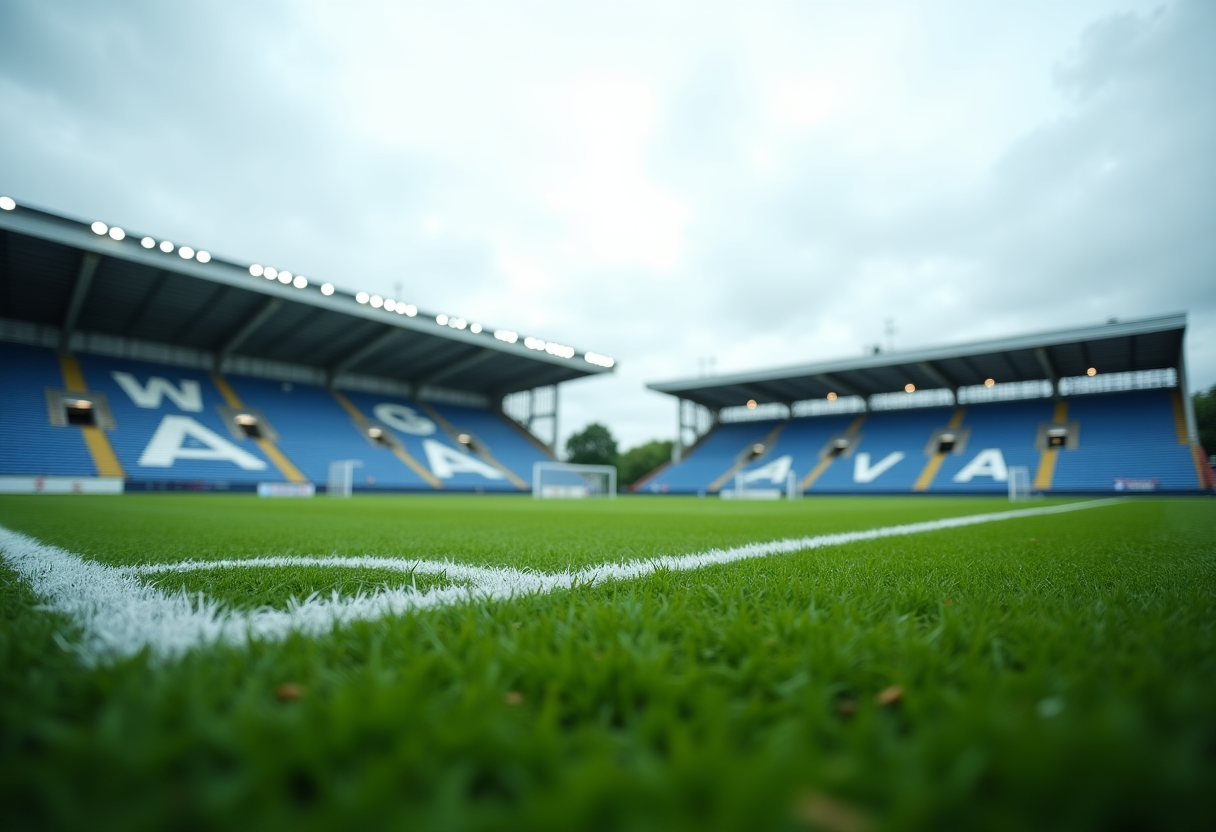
(148, 242)
(376, 301)
(441, 319)
(255, 270)
(831, 397)
(270, 272)
(506, 335)
(186, 253)
(284, 277)
(751, 404)
(7, 203)
(1091, 371)
(100, 228)
(390, 305)
(362, 297)
(300, 282)
(203, 257)
(327, 289)
(458, 323)
(909, 388)
(599, 360)
(117, 233)
(474, 328)
(408, 308)
(166, 246)
(988, 382)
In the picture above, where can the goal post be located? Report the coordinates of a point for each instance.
(1019, 483)
(567, 480)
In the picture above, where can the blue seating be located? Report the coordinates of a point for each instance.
(29, 445)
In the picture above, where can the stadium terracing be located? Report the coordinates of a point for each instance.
(130, 362)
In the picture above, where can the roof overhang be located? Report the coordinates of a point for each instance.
(55, 271)
(1117, 346)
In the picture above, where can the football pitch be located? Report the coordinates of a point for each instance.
(452, 663)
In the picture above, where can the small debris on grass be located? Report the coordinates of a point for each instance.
(890, 696)
(947, 602)
(846, 707)
(513, 697)
(831, 814)
(289, 692)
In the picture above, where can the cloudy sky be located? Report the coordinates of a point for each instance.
(763, 183)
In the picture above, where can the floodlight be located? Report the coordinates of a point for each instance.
(506, 335)
(284, 277)
(203, 257)
(270, 272)
(186, 252)
(390, 305)
(441, 319)
(166, 246)
(80, 404)
(245, 419)
(988, 382)
(375, 433)
(475, 328)
(148, 242)
(300, 282)
(117, 233)
(909, 388)
(458, 323)
(255, 270)
(100, 228)
(410, 309)
(401, 307)
(599, 360)
(1091, 372)
(7, 203)
(534, 343)
(376, 301)
(831, 397)
(751, 404)
(758, 448)
(464, 439)
(327, 289)
(362, 297)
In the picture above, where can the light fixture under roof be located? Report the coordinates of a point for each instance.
(1092, 371)
(255, 270)
(831, 396)
(300, 282)
(506, 336)
(186, 253)
(390, 305)
(751, 405)
(327, 289)
(909, 388)
(441, 319)
(7, 203)
(363, 297)
(148, 242)
(475, 328)
(599, 360)
(99, 228)
(408, 309)
(117, 233)
(376, 301)
(166, 246)
(989, 382)
(284, 277)
(270, 272)
(203, 257)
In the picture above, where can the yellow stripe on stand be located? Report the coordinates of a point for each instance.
(934, 464)
(104, 458)
(280, 460)
(481, 452)
(1047, 459)
(400, 452)
(1179, 418)
(827, 461)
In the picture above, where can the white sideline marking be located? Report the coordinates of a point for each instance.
(120, 615)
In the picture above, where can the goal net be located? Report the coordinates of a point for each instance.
(341, 477)
(1019, 484)
(566, 480)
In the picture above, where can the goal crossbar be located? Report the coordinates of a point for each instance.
(556, 480)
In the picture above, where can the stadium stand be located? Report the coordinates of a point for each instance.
(155, 366)
(1075, 430)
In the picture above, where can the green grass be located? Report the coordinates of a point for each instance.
(1058, 673)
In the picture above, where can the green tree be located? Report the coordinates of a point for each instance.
(594, 445)
(1205, 418)
(637, 462)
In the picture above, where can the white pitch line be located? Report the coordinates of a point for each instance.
(120, 615)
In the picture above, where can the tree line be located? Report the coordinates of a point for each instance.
(595, 445)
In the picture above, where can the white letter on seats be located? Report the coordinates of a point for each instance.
(989, 462)
(188, 398)
(445, 462)
(167, 444)
(775, 471)
(863, 472)
(402, 418)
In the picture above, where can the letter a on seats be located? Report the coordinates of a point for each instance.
(445, 462)
(187, 397)
(863, 472)
(169, 445)
(774, 472)
(989, 462)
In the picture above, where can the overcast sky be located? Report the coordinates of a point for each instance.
(764, 183)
